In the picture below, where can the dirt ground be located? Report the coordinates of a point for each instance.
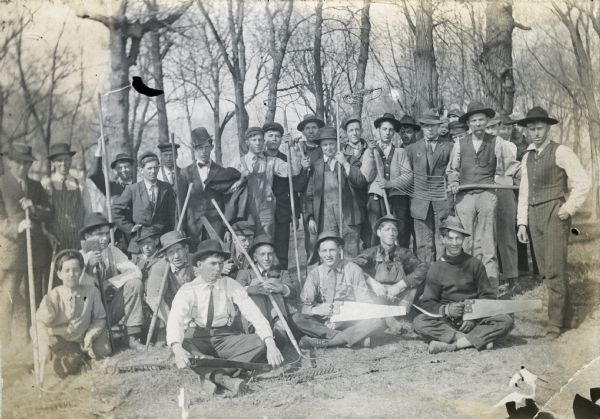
(397, 378)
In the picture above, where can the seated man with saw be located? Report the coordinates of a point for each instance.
(328, 286)
(201, 321)
(393, 273)
(452, 280)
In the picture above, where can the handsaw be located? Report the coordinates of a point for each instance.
(478, 309)
(226, 363)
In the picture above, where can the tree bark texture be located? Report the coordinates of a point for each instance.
(318, 65)
(363, 56)
(426, 75)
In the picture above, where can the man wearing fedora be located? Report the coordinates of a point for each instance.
(201, 323)
(322, 193)
(392, 272)
(334, 281)
(273, 281)
(273, 132)
(66, 196)
(457, 277)
(148, 243)
(476, 160)
(428, 158)
(118, 278)
(396, 180)
(122, 164)
(209, 181)
(145, 203)
(550, 171)
(409, 131)
(174, 248)
(19, 193)
(170, 171)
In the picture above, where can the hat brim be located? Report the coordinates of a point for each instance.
(413, 126)
(20, 157)
(383, 220)
(303, 123)
(254, 246)
(167, 147)
(383, 119)
(489, 112)
(523, 122)
(428, 121)
(85, 229)
(458, 230)
(314, 258)
(114, 163)
(181, 240)
(65, 153)
(196, 256)
(147, 236)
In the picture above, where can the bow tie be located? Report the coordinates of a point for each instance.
(203, 165)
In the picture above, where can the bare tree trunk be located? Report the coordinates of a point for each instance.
(363, 55)
(318, 66)
(426, 75)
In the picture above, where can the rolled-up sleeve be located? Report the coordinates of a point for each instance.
(453, 169)
(508, 167)
(523, 202)
(579, 181)
(249, 310)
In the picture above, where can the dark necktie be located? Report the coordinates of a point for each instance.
(211, 308)
(429, 156)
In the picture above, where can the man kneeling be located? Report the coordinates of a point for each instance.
(201, 320)
(329, 284)
(457, 277)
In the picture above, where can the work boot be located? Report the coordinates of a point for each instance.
(234, 385)
(436, 346)
(134, 342)
(552, 334)
(307, 342)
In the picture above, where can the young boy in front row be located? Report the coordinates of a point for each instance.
(71, 319)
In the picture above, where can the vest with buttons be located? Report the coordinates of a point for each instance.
(547, 181)
(330, 186)
(477, 167)
(387, 162)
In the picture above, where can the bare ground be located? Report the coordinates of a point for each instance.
(397, 378)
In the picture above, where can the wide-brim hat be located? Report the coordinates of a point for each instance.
(310, 118)
(429, 118)
(409, 121)
(349, 120)
(476, 107)
(493, 122)
(453, 223)
(171, 238)
(243, 227)
(326, 133)
(260, 240)
(167, 146)
(21, 152)
(506, 120)
(326, 235)
(272, 126)
(121, 157)
(537, 114)
(147, 232)
(60, 149)
(383, 219)
(206, 247)
(389, 117)
(200, 136)
(94, 220)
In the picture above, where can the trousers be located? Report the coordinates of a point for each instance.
(550, 236)
(506, 227)
(428, 236)
(126, 306)
(282, 243)
(486, 330)
(351, 332)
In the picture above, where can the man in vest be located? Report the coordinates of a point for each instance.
(476, 160)
(547, 170)
(428, 158)
(396, 180)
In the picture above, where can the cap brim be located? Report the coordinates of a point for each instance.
(70, 153)
(458, 230)
(183, 239)
(113, 164)
(394, 122)
(91, 227)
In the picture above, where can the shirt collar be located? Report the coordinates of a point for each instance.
(148, 184)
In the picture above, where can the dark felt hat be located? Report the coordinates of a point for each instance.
(147, 232)
(537, 114)
(93, 220)
(456, 127)
(429, 118)
(171, 238)
(272, 126)
(121, 157)
(148, 155)
(167, 146)
(252, 131)
(244, 228)
(207, 247)
(388, 117)
(200, 136)
(260, 240)
(21, 152)
(326, 133)
(409, 121)
(453, 223)
(310, 118)
(60, 149)
(326, 235)
(476, 107)
(350, 119)
(383, 219)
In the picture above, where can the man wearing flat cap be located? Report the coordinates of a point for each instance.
(475, 162)
(395, 181)
(209, 181)
(550, 172)
(273, 133)
(428, 158)
(334, 281)
(322, 193)
(19, 193)
(457, 277)
(145, 203)
(201, 322)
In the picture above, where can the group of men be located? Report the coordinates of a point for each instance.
(393, 219)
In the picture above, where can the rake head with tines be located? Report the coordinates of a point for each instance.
(428, 188)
